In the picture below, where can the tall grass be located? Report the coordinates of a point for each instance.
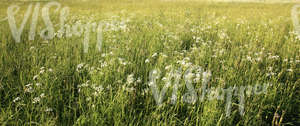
(54, 82)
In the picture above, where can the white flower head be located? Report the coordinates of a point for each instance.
(36, 100)
(35, 77)
(130, 78)
(147, 61)
(48, 109)
(79, 66)
(154, 55)
(17, 99)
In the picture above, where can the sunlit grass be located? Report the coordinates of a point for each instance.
(54, 82)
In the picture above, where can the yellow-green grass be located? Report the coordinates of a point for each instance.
(242, 44)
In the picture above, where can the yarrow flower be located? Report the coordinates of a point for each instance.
(35, 77)
(79, 67)
(36, 100)
(154, 55)
(147, 61)
(48, 109)
(130, 78)
(17, 99)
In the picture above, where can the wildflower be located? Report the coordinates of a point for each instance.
(164, 79)
(154, 55)
(31, 48)
(28, 88)
(151, 84)
(42, 71)
(130, 89)
(36, 100)
(130, 79)
(186, 59)
(273, 57)
(48, 109)
(79, 66)
(38, 84)
(50, 70)
(35, 77)
(168, 67)
(206, 76)
(290, 70)
(270, 74)
(147, 61)
(88, 99)
(139, 80)
(42, 95)
(164, 55)
(17, 99)
(189, 76)
(258, 59)
(99, 89)
(270, 68)
(187, 65)
(249, 58)
(154, 72)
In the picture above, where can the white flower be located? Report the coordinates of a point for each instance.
(99, 89)
(258, 59)
(189, 76)
(154, 55)
(273, 57)
(147, 61)
(249, 58)
(31, 48)
(154, 72)
(79, 66)
(151, 84)
(290, 70)
(50, 70)
(38, 84)
(139, 80)
(270, 68)
(48, 109)
(42, 71)
(168, 67)
(36, 100)
(28, 88)
(35, 77)
(187, 65)
(130, 89)
(206, 76)
(42, 95)
(17, 99)
(28, 85)
(186, 59)
(164, 78)
(130, 78)
(270, 74)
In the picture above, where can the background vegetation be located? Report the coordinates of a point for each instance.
(53, 82)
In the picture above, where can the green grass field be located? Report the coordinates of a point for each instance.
(55, 82)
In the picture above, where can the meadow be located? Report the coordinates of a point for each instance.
(234, 46)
